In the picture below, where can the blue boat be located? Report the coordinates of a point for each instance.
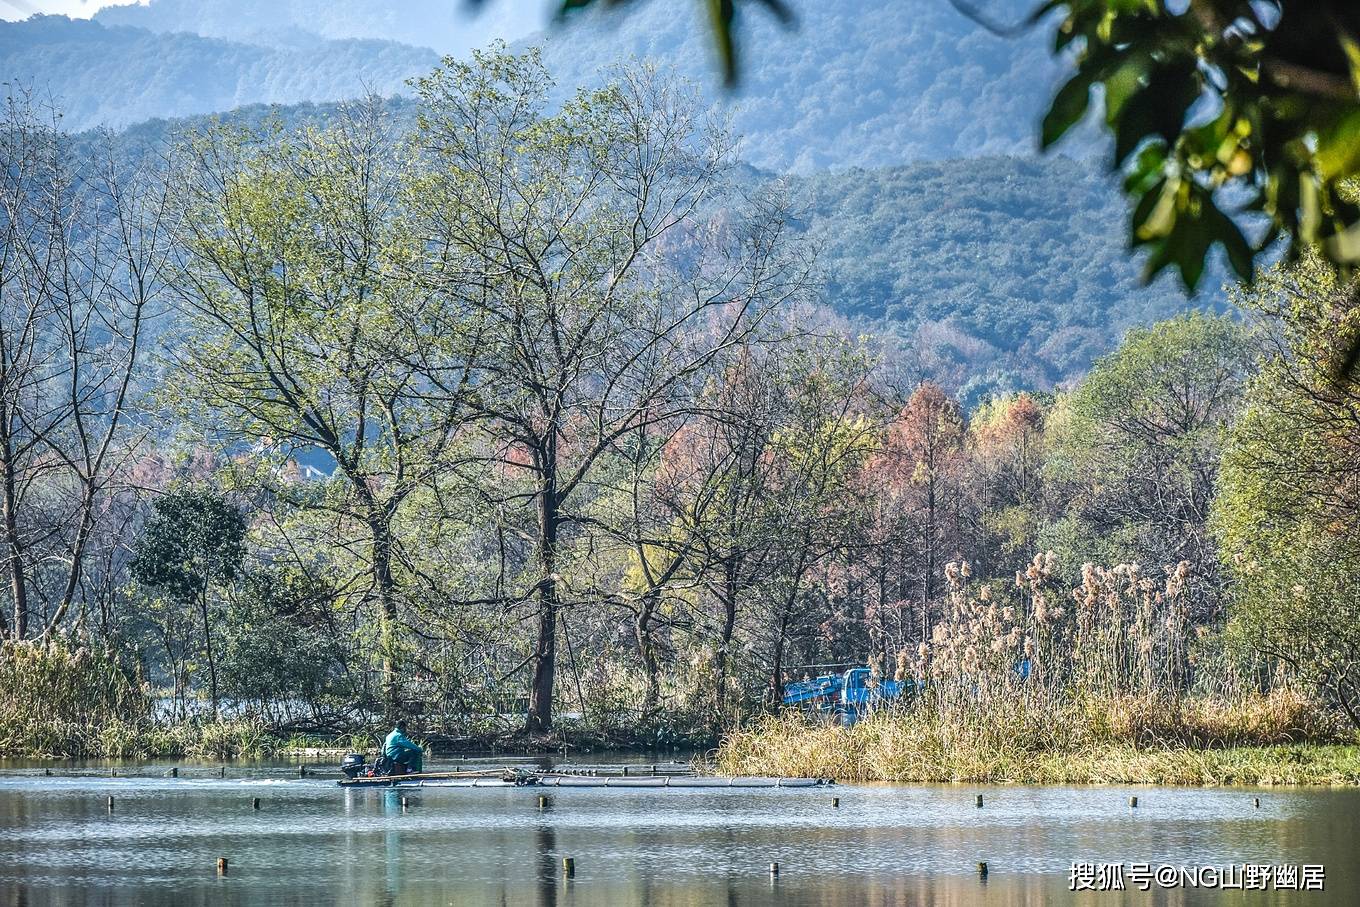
(846, 696)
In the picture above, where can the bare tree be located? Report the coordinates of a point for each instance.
(80, 269)
(587, 239)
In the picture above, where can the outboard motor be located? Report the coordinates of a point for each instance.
(352, 765)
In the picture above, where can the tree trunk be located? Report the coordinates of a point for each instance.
(721, 660)
(1346, 704)
(539, 717)
(928, 579)
(208, 647)
(642, 628)
(18, 586)
(73, 575)
(384, 585)
(775, 694)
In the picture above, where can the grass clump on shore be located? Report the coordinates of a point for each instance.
(74, 701)
(1258, 740)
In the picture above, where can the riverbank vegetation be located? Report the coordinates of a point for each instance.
(1002, 747)
(525, 420)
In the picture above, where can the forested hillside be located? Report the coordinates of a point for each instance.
(857, 83)
(923, 82)
(997, 273)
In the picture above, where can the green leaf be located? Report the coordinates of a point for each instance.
(1310, 208)
(1157, 109)
(1352, 49)
(1069, 105)
(1338, 147)
(720, 13)
(1344, 245)
(1225, 230)
(1158, 219)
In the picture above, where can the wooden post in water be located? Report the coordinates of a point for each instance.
(1256, 802)
(542, 801)
(404, 803)
(109, 804)
(835, 802)
(1133, 802)
(979, 801)
(569, 867)
(221, 866)
(982, 869)
(625, 771)
(222, 772)
(174, 772)
(255, 803)
(774, 869)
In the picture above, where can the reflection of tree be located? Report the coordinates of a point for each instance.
(545, 858)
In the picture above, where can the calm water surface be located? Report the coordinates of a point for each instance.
(314, 843)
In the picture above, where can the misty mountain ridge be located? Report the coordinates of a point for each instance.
(117, 76)
(856, 83)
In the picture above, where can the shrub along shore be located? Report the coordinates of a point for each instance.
(248, 738)
(78, 702)
(66, 701)
(1258, 740)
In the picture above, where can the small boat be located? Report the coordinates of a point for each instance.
(359, 774)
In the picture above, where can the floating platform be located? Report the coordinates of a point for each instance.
(690, 781)
(518, 777)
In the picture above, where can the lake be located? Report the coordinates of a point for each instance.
(312, 842)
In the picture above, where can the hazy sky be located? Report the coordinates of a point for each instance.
(22, 9)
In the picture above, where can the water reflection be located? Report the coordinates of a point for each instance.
(313, 843)
(545, 850)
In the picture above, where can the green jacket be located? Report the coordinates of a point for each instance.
(400, 748)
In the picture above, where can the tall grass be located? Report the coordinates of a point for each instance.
(1273, 739)
(1031, 685)
(59, 698)
(70, 701)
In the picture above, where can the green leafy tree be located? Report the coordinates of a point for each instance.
(1217, 96)
(282, 647)
(314, 324)
(1289, 498)
(817, 448)
(1136, 446)
(192, 545)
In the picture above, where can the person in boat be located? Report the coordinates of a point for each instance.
(403, 752)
